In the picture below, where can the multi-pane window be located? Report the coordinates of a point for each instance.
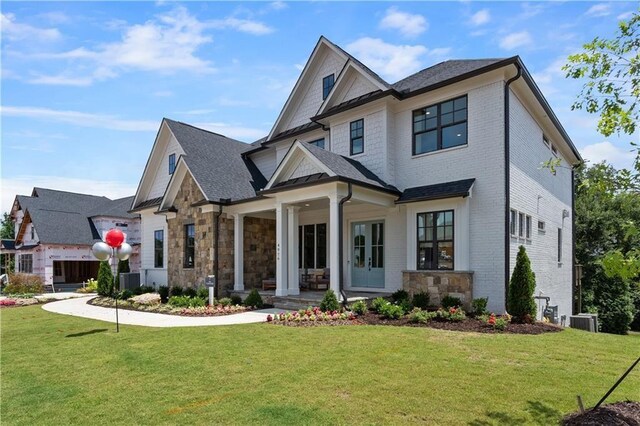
(25, 264)
(435, 240)
(172, 163)
(327, 85)
(440, 126)
(513, 223)
(318, 142)
(521, 225)
(559, 245)
(189, 245)
(312, 246)
(357, 137)
(541, 226)
(527, 230)
(377, 245)
(158, 249)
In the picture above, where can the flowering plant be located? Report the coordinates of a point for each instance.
(311, 314)
(7, 302)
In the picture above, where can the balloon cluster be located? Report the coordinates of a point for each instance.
(113, 245)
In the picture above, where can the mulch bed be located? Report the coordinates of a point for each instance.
(99, 301)
(469, 325)
(625, 413)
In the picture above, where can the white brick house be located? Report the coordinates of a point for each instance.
(385, 185)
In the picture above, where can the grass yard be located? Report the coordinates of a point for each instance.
(63, 370)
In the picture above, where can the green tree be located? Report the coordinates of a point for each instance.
(105, 279)
(6, 227)
(520, 302)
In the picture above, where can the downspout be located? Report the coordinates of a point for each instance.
(216, 243)
(507, 185)
(573, 245)
(340, 243)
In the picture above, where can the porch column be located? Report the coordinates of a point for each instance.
(281, 250)
(334, 244)
(238, 252)
(294, 286)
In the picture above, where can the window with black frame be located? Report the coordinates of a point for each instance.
(440, 126)
(327, 85)
(172, 163)
(189, 245)
(312, 246)
(357, 137)
(26, 263)
(158, 249)
(435, 240)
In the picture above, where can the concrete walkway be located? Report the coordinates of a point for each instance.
(78, 307)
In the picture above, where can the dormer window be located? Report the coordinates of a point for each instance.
(318, 142)
(33, 233)
(172, 163)
(327, 85)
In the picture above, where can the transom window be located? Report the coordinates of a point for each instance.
(172, 163)
(440, 126)
(435, 240)
(312, 246)
(158, 249)
(318, 142)
(327, 85)
(357, 136)
(25, 264)
(189, 245)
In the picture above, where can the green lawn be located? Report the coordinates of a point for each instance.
(63, 370)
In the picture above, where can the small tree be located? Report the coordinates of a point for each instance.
(329, 302)
(520, 303)
(105, 279)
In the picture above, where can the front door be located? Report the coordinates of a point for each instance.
(367, 254)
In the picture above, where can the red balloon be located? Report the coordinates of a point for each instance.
(114, 238)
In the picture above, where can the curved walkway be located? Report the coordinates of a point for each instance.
(78, 307)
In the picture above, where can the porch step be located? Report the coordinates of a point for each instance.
(293, 304)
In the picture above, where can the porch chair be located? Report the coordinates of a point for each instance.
(269, 284)
(322, 282)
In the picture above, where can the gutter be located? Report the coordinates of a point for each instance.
(507, 185)
(340, 243)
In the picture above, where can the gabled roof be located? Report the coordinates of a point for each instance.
(459, 188)
(217, 164)
(114, 208)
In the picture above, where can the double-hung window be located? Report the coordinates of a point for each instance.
(312, 246)
(158, 249)
(172, 163)
(189, 245)
(440, 126)
(435, 240)
(327, 85)
(521, 225)
(528, 228)
(357, 136)
(513, 223)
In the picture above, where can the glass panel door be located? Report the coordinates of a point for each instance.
(367, 254)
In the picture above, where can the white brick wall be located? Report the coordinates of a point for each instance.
(543, 196)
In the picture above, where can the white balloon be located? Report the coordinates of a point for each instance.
(101, 250)
(124, 251)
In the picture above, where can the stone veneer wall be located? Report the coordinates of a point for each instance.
(259, 251)
(440, 284)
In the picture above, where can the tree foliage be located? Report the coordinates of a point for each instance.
(105, 279)
(6, 228)
(520, 302)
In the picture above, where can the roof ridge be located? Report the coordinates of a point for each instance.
(204, 130)
(66, 192)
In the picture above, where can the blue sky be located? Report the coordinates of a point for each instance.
(86, 84)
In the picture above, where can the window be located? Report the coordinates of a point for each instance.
(528, 227)
(541, 226)
(33, 232)
(545, 140)
(312, 246)
(440, 126)
(172, 163)
(435, 240)
(327, 85)
(554, 150)
(357, 137)
(377, 245)
(559, 245)
(57, 269)
(158, 249)
(513, 223)
(318, 142)
(189, 245)
(26, 263)
(521, 225)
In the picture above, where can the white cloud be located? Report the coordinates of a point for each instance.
(515, 40)
(80, 118)
(481, 17)
(278, 5)
(624, 16)
(24, 184)
(61, 80)
(242, 25)
(233, 131)
(550, 75)
(392, 61)
(599, 10)
(55, 17)
(409, 25)
(13, 30)
(606, 151)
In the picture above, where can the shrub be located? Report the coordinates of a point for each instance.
(501, 324)
(420, 316)
(203, 293)
(186, 302)
(359, 307)
(92, 285)
(225, 301)
(378, 303)
(190, 291)
(124, 294)
(236, 300)
(405, 305)
(400, 296)
(451, 314)
(147, 299)
(24, 283)
(329, 302)
(520, 302)
(105, 279)
(163, 291)
(175, 290)
(615, 306)
(254, 299)
(450, 302)
(479, 306)
(421, 300)
(392, 311)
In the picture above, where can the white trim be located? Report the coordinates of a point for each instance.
(171, 191)
(287, 163)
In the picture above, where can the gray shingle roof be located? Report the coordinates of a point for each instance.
(62, 217)
(459, 188)
(217, 164)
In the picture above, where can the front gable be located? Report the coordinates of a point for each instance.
(297, 163)
(182, 186)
